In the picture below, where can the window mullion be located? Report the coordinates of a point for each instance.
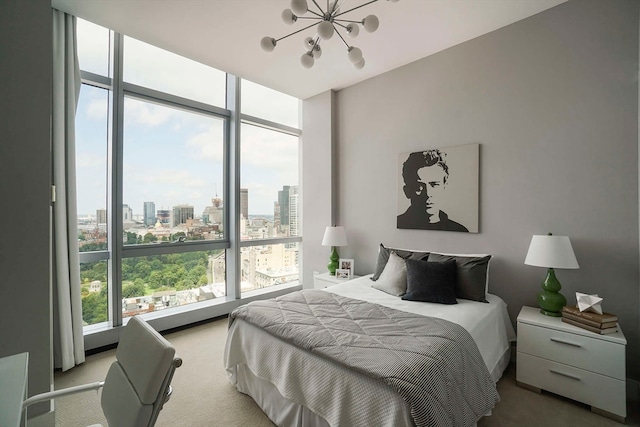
(116, 186)
(232, 224)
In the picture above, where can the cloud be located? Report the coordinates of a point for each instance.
(208, 143)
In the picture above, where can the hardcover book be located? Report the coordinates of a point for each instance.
(594, 317)
(589, 322)
(590, 328)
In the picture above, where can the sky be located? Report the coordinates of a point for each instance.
(172, 156)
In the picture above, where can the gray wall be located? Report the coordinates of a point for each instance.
(553, 101)
(25, 110)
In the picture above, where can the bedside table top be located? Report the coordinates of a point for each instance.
(331, 278)
(532, 316)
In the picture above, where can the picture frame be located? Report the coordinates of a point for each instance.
(346, 264)
(343, 274)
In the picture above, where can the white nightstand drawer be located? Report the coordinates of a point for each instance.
(596, 390)
(592, 354)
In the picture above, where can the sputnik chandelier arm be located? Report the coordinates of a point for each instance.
(328, 23)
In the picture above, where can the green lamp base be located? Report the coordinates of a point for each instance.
(550, 299)
(333, 261)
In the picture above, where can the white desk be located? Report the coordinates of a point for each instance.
(13, 378)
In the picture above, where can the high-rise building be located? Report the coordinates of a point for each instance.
(101, 216)
(149, 213)
(283, 201)
(181, 213)
(294, 208)
(244, 203)
(127, 214)
(213, 214)
(276, 215)
(164, 216)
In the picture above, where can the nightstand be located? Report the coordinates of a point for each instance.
(323, 280)
(572, 362)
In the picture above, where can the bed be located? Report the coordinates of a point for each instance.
(298, 385)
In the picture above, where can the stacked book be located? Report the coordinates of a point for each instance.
(605, 323)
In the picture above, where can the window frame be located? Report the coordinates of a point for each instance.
(105, 333)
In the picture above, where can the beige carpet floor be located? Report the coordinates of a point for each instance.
(204, 397)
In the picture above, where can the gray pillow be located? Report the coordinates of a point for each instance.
(393, 279)
(471, 281)
(431, 281)
(383, 257)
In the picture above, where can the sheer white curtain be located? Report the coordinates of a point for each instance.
(68, 342)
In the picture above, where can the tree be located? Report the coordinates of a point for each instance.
(135, 289)
(149, 238)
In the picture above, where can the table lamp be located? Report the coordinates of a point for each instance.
(551, 252)
(334, 237)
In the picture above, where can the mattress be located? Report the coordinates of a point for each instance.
(263, 366)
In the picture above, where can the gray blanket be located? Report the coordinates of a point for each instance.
(432, 363)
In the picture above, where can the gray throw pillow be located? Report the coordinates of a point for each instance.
(393, 279)
(383, 257)
(471, 281)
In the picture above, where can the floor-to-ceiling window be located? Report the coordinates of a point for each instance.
(157, 177)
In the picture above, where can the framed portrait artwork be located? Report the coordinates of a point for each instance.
(438, 189)
(343, 274)
(346, 264)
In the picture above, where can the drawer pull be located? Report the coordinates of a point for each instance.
(565, 342)
(573, 377)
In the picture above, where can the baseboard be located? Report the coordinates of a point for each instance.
(48, 419)
(633, 390)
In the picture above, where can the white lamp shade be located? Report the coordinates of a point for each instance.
(325, 30)
(551, 252)
(334, 236)
(268, 44)
(370, 23)
(299, 7)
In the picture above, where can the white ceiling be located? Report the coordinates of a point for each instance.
(226, 34)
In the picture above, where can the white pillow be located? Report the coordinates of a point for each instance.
(393, 279)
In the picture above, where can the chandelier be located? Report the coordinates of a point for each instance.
(328, 23)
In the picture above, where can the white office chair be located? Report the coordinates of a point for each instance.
(137, 384)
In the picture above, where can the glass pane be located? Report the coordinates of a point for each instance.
(93, 47)
(161, 282)
(173, 169)
(269, 200)
(92, 122)
(269, 265)
(93, 276)
(269, 104)
(158, 69)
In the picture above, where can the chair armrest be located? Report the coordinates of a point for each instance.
(62, 392)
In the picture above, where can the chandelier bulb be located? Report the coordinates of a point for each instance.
(325, 30)
(353, 30)
(317, 51)
(354, 54)
(358, 65)
(308, 43)
(370, 23)
(299, 7)
(288, 17)
(268, 44)
(307, 60)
